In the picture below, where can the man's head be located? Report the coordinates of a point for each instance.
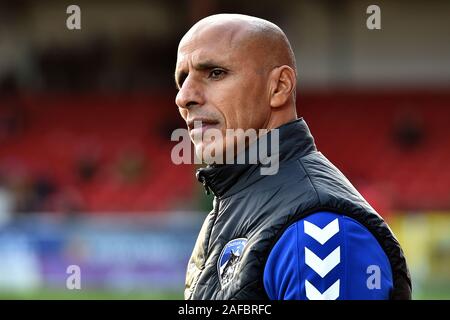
(235, 72)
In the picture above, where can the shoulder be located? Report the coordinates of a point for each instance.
(327, 256)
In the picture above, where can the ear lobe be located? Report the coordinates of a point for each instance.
(284, 82)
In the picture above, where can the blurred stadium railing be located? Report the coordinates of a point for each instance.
(125, 256)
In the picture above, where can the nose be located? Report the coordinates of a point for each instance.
(190, 94)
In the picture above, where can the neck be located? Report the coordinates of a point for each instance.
(280, 116)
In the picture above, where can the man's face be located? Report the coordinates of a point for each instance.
(221, 82)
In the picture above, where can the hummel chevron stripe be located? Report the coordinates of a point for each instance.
(322, 235)
(322, 267)
(332, 293)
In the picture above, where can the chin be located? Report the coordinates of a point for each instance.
(210, 153)
(198, 148)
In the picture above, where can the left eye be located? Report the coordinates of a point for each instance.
(216, 73)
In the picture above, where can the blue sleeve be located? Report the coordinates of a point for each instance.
(327, 256)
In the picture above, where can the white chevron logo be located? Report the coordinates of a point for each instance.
(332, 293)
(322, 235)
(322, 267)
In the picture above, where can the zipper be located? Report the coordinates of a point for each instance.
(216, 202)
(205, 186)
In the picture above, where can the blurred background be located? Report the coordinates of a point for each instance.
(86, 116)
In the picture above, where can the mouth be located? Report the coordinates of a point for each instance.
(201, 123)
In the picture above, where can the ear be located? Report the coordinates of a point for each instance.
(282, 85)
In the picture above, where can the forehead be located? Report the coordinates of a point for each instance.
(208, 43)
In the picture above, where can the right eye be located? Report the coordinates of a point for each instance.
(216, 73)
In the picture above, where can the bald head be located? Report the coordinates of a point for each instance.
(260, 38)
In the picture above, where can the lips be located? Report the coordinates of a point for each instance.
(204, 123)
(198, 127)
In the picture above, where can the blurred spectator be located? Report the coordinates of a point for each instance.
(22, 191)
(6, 201)
(67, 201)
(31, 194)
(408, 130)
(131, 166)
(11, 109)
(86, 168)
(43, 188)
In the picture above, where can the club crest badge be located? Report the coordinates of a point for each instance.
(229, 260)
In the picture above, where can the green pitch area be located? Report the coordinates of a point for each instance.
(166, 295)
(49, 294)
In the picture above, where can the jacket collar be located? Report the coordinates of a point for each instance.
(295, 141)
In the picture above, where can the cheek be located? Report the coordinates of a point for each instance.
(229, 108)
(253, 104)
(238, 100)
(223, 100)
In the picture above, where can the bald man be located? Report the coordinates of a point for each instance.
(303, 232)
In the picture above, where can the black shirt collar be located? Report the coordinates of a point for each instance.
(295, 141)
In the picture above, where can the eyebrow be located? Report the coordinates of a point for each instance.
(205, 65)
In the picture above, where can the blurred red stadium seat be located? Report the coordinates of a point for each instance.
(355, 131)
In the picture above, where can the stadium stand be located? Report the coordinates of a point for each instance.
(111, 153)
